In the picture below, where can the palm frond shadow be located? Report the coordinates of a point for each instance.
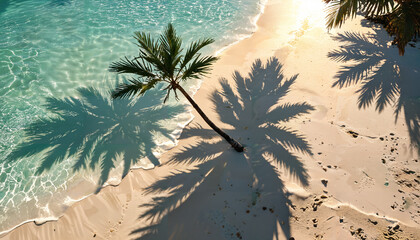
(97, 131)
(60, 2)
(3, 5)
(384, 77)
(222, 178)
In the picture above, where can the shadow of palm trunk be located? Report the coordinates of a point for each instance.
(223, 194)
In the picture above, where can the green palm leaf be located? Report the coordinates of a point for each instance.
(170, 50)
(132, 66)
(404, 23)
(149, 51)
(377, 7)
(199, 67)
(132, 88)
(338, 11)
(400, 18)
(193, 49)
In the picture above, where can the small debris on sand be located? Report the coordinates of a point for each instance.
(353, 134)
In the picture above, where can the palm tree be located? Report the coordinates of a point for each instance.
(162, 61)
(401, 18)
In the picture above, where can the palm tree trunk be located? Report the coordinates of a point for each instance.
(235, 144)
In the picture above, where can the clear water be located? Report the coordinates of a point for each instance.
(51, 49)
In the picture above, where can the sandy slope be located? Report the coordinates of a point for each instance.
(327, 170)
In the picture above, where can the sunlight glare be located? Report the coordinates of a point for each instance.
(311, 12)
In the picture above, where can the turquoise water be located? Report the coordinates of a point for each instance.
(56, 49)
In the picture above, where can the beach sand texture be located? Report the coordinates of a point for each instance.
(328, 157)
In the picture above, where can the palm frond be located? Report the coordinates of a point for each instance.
(149, 51)
(377, 7)
(404, 24)
(170, 49)
(193, 49)
(168, 93)
(400, 18)
(338, 11)
(199, 67)
(133, 87)
(148, 46)
(132, 66)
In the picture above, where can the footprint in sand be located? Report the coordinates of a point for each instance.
(284, 51)
(366, 182)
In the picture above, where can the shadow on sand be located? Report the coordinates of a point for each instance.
(97, 131)
(225, 193)
(385, 78)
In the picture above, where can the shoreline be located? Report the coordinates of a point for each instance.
(262, 4)
(163, 147)
(293, 51)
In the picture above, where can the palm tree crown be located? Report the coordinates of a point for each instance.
(163, 60)
(401, 18)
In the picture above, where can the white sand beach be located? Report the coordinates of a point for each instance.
(322, 160)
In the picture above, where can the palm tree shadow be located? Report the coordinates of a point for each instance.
(97, 132)
(234, 195)
(56, 3)
(3, 5)
(385, 78)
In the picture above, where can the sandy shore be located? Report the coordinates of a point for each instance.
(335, 171)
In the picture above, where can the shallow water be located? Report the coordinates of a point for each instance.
(52, 49)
